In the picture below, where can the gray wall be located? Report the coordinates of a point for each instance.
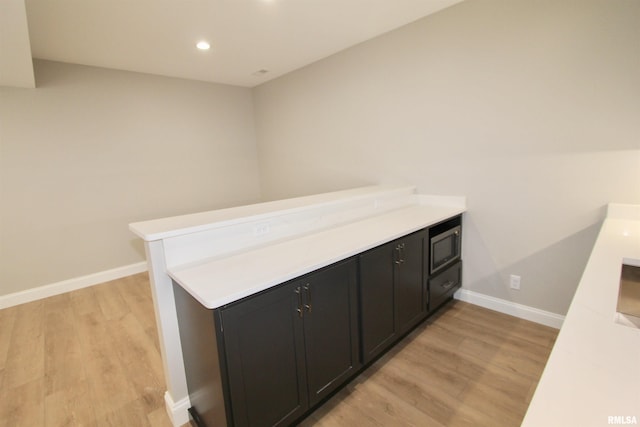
(91, 150)
(529, 108)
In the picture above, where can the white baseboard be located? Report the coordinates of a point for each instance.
(508, 307)
(178, 411)
(70, 285)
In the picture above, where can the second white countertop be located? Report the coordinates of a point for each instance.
(592, 377)
(219, 281)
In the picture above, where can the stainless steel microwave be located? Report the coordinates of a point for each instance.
(445, 249)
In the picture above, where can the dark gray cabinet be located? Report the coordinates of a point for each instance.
(408, 282)
(281, 351)
(391, 292)
(269, 359)
(264, 349)
(331, 332)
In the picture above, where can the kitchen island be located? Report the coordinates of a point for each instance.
(221, 256)
(592, 377)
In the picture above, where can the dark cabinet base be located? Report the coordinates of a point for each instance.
(203, 367)
(391, 293)
(269, 359)
(264, 349)
(194, 418)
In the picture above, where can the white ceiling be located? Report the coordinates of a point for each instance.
(159, 36)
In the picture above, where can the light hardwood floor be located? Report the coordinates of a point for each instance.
(91, 358)
(466, 366)
(84, 358)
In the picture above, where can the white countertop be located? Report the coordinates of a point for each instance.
(219, 281)
(593, 372)
(163, 228)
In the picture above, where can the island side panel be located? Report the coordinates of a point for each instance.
(177, 396)
(205, 369)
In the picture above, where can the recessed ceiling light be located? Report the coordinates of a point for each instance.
(203, 45)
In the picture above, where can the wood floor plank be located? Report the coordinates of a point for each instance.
(136, 295)
(111, 303)
(69, 406)
(474, 355)
(110, 387)
(344, 409)
(520, 328)
(392, 410)
(133, 349)
(25, 356)
(84, 301)
(425, 370)
(131, 414)
(497, 338)
(502, 413)
(23, 405)
(63, 363)
(7, 321)
(480, 363)
(158, 418)
(427, 397)
(508, 388)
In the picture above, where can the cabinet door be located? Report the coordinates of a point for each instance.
(377, 300)
(264, 348)
(408, 282)
(330, 328)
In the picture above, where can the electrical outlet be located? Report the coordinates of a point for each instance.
(514, 282)
(261, 229)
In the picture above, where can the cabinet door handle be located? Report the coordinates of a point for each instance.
(448, 284)
(307, 289)
(399, 254)
(299, 309)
